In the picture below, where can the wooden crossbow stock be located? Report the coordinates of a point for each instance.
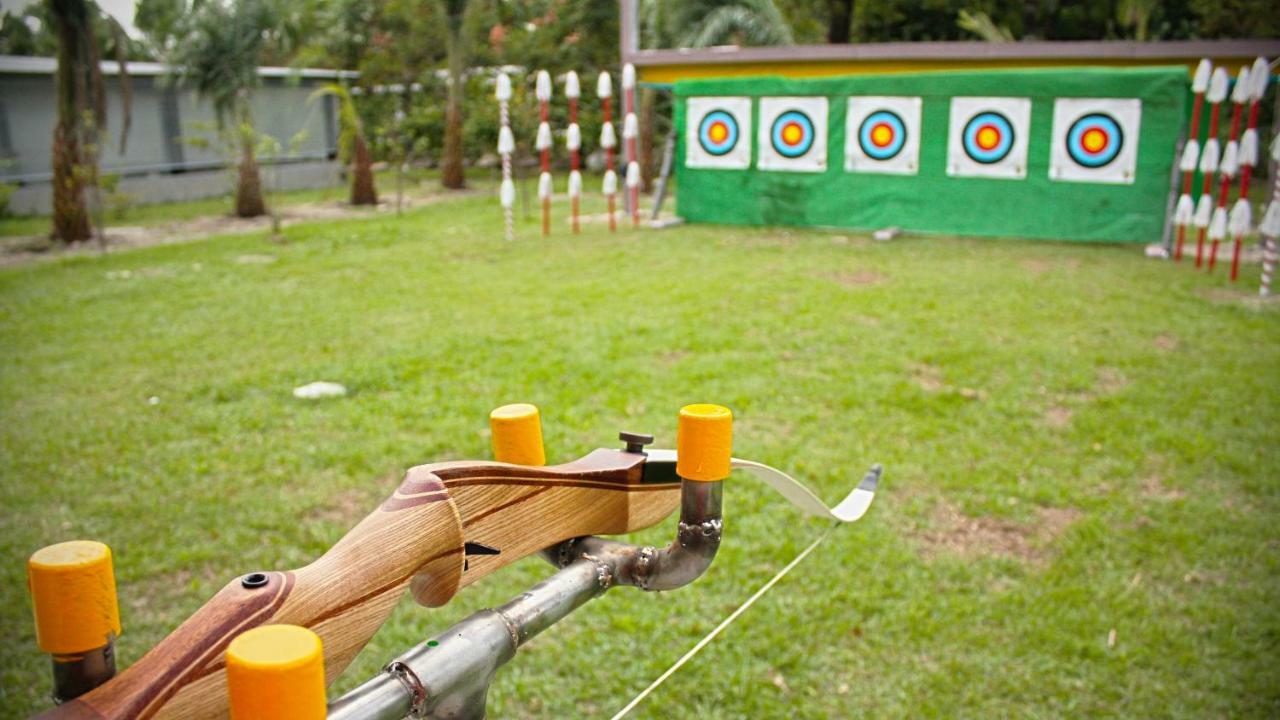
(446, 526)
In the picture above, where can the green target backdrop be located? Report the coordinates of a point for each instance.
(1027, 193)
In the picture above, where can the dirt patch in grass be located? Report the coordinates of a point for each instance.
(671, 357)
(1153, 487)
(1109, 381)
(1167, 343)
(928, 377)
(951, 532)
(1057, 416)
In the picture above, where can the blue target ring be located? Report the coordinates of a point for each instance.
(718, 132)
(1094, 140)
(988, 137)
(792, 134)
(882, 135)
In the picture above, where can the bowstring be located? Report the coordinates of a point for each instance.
(724, 624)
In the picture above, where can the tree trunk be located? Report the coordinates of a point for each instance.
(840, 21)
(362, 189)
(452, 174)
(70, 214)
(645, 144)
(249, 188)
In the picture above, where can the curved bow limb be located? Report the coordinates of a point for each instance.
(415, 540)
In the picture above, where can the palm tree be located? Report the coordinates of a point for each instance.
(218, 57)
(451, 172)
(81, 112)
(705, 23)
(352, 147)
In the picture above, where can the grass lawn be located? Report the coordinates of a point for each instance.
(1078, 516)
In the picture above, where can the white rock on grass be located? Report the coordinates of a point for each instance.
(318, 390)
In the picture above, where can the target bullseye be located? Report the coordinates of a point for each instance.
(882, 135)
(1094, 140)
(718, 133)
(988, 137)
(792, 134)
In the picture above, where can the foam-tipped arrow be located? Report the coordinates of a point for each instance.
(543, 141)
(1230, 164)
(573, 137)
(544, 186)
(542, 87)
(1190, 156)
(633, 174)
(1218, 225)
(628, 76)
(1218, 86)
(1249, 148)
(630, 127)
(1200, 82)
(1270, 225)
(1204, 209)
(1243, 89)
(502, 89)
(1210, 156)
(604, 86)
(572, 89)
(575, 184)
(507, 193)
(1240, 218)
(1183, 212)
(1275, 148)
(607, 138)
(610, 182)
(506, 141)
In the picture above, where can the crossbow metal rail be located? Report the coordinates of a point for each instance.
(446, 677)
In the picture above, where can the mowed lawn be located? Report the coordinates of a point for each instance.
(1078, 518)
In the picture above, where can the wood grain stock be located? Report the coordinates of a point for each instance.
(413, 540)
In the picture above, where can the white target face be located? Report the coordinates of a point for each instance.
(1095, 140)
(882, 135)
(793, 134)
(988, 137)
(718, 132)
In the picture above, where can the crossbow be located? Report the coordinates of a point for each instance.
(269, 642)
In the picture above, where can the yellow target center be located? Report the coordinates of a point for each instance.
(1094, 140)
(881, 135)
(988, 138)
(718, 132)
(791, 134)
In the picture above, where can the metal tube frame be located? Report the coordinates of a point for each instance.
(448, 676)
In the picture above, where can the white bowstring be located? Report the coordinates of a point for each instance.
(712, 635)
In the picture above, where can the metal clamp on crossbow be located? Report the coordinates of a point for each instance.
(268, 643)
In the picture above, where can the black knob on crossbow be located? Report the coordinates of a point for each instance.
(635, 441)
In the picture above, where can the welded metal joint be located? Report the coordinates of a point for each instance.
(412, 685)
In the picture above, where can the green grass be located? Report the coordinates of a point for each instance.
(1076, 440)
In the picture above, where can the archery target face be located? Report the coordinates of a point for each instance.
(793, 134)
(1095, 140)
(882, 135)
(988, 137)
(719, 132)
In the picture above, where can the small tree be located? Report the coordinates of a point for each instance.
(353, 150)
(218, 57)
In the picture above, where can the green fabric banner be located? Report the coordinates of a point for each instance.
(937, 188)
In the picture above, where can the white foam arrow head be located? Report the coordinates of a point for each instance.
(1204, 209)
(604, 86)
(502, 87)
(1183, 212)
(1243, 89)
(542, 87)
(1259, 76)
(1218, 86)
(1249, 148)
(1218, 225)
(573, 138)
(1230, 160)
(610, 182)
(572, 89)
(628, 77)
(630, 127)
(1190, 156)
(1271, 221)
(543, 141)
(633, 174)
(506, 141)
(1240, 219)
(507, 193)
(544, 186)
(1200, 82)
(1209, 158)
(1275, 148)
(607, 138)
(575, 184)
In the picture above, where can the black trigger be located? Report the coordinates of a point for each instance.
(475, 548)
